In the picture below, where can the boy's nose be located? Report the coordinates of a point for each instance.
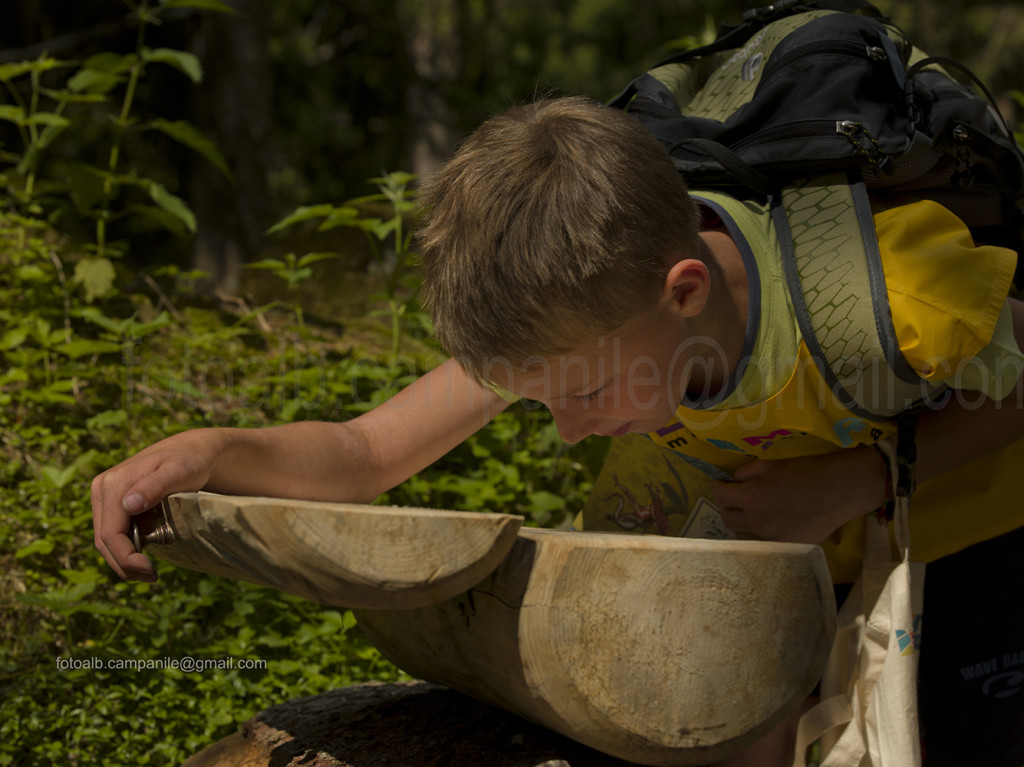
(573, 424)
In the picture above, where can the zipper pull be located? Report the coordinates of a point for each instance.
(869, 149)
(962, 177)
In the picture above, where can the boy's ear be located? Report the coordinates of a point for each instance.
(687, 287)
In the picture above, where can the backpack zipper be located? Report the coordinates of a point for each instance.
(821, 128)
(840, 132)
(854, 132)
(843, 48)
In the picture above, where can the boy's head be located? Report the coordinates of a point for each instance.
(553, 224)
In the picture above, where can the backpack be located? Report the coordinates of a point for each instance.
(811, 105)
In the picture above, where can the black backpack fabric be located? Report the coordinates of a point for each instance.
(802, 89)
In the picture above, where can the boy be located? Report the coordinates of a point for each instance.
(565, 262)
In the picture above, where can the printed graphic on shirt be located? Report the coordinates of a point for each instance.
(705, 521)
(1000, 677)
(644, 488)
(630, 513)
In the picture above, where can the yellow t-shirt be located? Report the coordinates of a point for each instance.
(948, 302)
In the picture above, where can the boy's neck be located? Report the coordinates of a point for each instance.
(724, 321)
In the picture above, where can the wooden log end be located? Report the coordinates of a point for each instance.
(346, 555)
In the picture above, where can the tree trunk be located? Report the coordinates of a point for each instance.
(396, 725)
(434, 50)
(232, 107)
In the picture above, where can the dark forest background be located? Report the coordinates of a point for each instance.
(307, 99)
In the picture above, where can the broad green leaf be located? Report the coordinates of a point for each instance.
(40, 330)
(38, 546)
(381, 229)
(86, 347)
(145, 328)
(73, 98)
(48, 118)
(172, 204)
(298, 275)
(85, 185)
(51, 395)
(202, 5)
(18, 68)
(546, 501)
(303, 213)
(187, 134)
(92, 81)
(312, 258)
(107, 419)
(59, 477)
(160, 219)
(96, 275)
(12, 113)
(15, 69)
(267, 263)
(396, 178)
(111, 63)
(95, 316)
(344, 216)
(183, 61)
(367, 198)
(13, 338)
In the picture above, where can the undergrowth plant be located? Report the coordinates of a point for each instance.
(84, 384)
(91, 372)
(48, 98)
(384, 217)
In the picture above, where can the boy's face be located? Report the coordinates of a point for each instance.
(628, 381)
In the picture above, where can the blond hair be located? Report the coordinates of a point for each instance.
(552, 225)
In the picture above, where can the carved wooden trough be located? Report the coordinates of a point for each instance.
(346, 555)
(659, 651)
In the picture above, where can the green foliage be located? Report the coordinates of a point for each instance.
(90, 667)
(293, 271)
(389, 238)
(98, 92)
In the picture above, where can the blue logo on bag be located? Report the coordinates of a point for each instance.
(909, 641)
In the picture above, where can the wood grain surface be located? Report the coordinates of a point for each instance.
(660, 651)
(347, 555)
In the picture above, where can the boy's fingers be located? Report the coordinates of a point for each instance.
(111, 521)
(750, 470)
(729, 496)
(97, 525)
(134, 565)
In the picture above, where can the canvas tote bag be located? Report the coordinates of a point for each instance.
(867, 716)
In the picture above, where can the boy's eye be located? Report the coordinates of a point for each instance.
(591, 395)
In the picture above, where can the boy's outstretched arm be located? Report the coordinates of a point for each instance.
(807, 499)
(354, 461)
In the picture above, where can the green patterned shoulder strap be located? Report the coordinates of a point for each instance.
(834, 271)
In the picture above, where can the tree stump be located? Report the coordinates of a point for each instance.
(413, 724)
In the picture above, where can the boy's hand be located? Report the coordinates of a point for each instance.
(177, 464)
(802, 500)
